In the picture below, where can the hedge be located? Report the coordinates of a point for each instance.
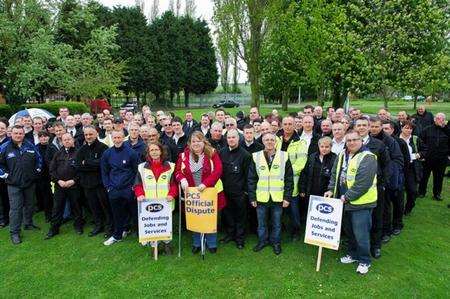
(6, 110)
(53, 107)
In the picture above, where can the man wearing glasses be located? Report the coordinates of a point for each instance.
(353, 180)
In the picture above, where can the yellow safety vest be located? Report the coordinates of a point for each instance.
(270, 181)
(218, 185)
(156, 189)
(352, 169)
(298, 154)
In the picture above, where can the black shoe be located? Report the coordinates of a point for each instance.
(195, 249)
(50, 235)
(437, 197)
(421, 195)
(385, 239)
(259, 247)
(277, 249)
(226, 239)
(15, 239)
(2, 225)
(240, 245)
(212, 250)
(31, 227)
(167, 249)
(396, 231)
(79, 231)
(376, 253)
(96, 231)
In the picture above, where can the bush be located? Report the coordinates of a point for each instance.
(53, 107)
(6, 110)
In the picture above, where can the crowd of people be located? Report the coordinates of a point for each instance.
(97, 167)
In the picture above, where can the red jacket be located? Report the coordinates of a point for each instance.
(157, 167)
(209, 178)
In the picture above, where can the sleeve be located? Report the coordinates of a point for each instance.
(396, 153)
(334, 178)
(215, 175)
(138, 186)
(3, 165)
(105, 168)
(422, 146)
(39, 159)
(247, 161)
(288, 181)
(173, 188)
(364, 178)
(252, 181)
(304, 175)
(53, 166)
(385, 158)
(179, 175)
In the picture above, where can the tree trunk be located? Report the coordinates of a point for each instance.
(253, 75)
(338, 92)
(235, 72)
(285, 98)
(186, 99)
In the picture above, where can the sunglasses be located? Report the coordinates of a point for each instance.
(229, 125)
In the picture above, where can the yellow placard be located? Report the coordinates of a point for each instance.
(201, 210)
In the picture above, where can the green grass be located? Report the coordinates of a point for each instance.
(414, 264)
(366, 106)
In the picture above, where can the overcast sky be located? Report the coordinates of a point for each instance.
(204, 8)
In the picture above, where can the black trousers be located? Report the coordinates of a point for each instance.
(410, 190)
(97, 199)
(44, 197)
(438, 169)
(376, 232)
(61, 196)
(124, 208)
(4, 202)
(235, 215)
(393, 211)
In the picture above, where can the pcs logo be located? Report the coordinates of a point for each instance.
(154, 207)
(324, 208)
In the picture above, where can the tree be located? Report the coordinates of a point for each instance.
(154, 10)
(190, 8)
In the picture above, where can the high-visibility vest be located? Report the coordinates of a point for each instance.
(218, 185)
(270, 181)
(352, 169)
(156, 189)
(298, 154)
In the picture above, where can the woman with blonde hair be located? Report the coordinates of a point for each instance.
(199, 165)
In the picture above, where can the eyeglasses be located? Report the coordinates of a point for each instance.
(167, 125)
(229, 125)
(353, 140)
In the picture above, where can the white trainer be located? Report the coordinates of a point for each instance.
(125, 233)
(347, 259)
(362, 268)
(111, 241)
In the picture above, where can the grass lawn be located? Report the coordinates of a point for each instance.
(369, 107)
(415, 264)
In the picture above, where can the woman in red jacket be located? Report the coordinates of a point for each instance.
(156, 179)
(200, 166)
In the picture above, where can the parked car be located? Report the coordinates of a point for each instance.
(226, 104)
(98, 105)
(411, 98)
(130, 105)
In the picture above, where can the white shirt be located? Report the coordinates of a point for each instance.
(337, 146)
(412, 156)
(72, 131)
(176, 137)
(366, 140)
(205, 130)
(307, 137)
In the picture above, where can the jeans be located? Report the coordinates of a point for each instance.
(358, 227)
(262, 211)
(294, 215)
(211, 240)
(21, 201)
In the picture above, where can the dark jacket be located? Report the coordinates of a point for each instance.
(253, 181)
(414, 168)
(119, 168)
(314, 145)
(87, 163)
(45, 173)
(188, 130)
(378, 148)
(252, 148)
(422, 121)
(316, 174)
(218, 144)
(62, 166)
(235, 165)
(140, 148)
(171, 149)
(181, 144)
(22, 164)
(53, 147)
(434, 143)
(395, 166)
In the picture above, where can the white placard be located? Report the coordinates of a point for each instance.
(155, 220)
(324, 220)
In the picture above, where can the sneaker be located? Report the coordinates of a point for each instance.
(362, 269)
(111, 241)
(125, 233)
(347, 259)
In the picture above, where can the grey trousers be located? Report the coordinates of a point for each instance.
(21, 201)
